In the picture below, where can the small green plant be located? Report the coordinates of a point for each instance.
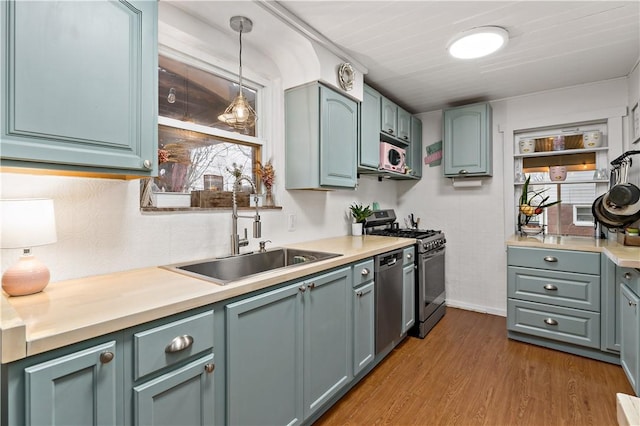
(359, 212)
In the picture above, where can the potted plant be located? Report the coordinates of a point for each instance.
(359, 214)
(531, 206)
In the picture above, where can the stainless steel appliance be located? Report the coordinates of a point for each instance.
(430, 276)
(388, 298)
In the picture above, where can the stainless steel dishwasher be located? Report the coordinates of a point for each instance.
(388, 298)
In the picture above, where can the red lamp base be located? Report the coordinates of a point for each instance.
(28, 276)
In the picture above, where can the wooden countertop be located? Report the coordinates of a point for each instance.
(71, 311)
(621, 255)
(628, 410)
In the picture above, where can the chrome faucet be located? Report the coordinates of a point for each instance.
(236, 241)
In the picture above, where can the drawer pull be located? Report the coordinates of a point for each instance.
(632, 303)
(106, 357)
(550, 321)
(551, 259)
(359, 294)
(209, 368)
(365, 272)
(302, 288)
(550, 287)
(627, 275)
(312, 286)
(179, 343)
(409, 256)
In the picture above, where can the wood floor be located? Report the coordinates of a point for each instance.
(466, 372)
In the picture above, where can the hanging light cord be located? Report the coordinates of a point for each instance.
(240, 79)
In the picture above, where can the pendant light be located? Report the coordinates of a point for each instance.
(239, 114)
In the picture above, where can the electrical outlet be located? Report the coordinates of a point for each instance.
(291, 222)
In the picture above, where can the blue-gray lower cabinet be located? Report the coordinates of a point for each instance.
(289, 350)
(610, 302)
(183, 396)
(630, 325)
(81, 90)
(554, 300)
(76, 389)
(408, 289)
(363, 326)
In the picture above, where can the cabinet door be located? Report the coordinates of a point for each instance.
(338, 139)
(630, 336)
(404, 125)
(389, 117)
(327, 337)
(408, 297)
(264, 358)
(78, 389)
(182, 397)
(415, 152)
(369, 155)
(82, 88)
(467, 141)
(610, 301)
(363, 327)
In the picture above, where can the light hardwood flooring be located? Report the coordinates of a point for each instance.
(467, 372)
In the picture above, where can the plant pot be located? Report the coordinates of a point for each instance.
(527, 146)
(557, 173)
(356, 229)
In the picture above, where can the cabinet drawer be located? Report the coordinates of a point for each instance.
(168, 344)
(362, 272)
(567, 289)
(408, 255)
(630, 277)
(554, 322)
(555, 260)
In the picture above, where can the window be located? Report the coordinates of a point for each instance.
(565, 164)
(192, 142)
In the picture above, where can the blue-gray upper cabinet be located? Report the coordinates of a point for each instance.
(369, 152)
(395, 121)
(321, 138)
(629, 279)
(415, 153)
(81, 86)
(78, 388)
(467, 141)
(289, 348)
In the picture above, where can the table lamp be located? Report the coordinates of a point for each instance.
(25, 223)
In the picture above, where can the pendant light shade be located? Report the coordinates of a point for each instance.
(239, 114)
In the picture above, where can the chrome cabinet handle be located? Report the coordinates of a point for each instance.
(551, 321)
(209, 368)
(632, 303)
(365, 272)
(550, 287)
(179, 343)
(627, 275)
(302, 288)
(406, 138)
(409, 256)
(106, 357)
(551, 259)
(312, 286)
(147, 164)
(463, 172)
(390, 131)
(359, 293)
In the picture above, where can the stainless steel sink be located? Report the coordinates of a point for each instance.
(224, 270)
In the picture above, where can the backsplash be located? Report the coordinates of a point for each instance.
(102, 230)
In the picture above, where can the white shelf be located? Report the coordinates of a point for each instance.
(563, 152)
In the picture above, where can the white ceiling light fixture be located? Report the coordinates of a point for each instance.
(239, 114)
(478, 42)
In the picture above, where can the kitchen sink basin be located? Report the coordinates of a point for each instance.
(224, 270)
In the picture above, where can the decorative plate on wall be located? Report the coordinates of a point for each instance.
(346, 76)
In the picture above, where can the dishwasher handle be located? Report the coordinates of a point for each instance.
(388, 260)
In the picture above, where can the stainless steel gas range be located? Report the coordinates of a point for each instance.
(430, 279)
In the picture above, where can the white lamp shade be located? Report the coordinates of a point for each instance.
(27, 222)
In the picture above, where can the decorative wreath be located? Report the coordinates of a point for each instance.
(346, 76)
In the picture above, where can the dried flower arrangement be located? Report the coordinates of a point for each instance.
(266, 173)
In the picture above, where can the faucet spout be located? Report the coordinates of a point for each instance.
(236, 241)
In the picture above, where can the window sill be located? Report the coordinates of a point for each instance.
(202, 209)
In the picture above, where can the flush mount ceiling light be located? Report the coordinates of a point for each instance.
(239, 114)
(478, 42)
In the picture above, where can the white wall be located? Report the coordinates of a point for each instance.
(477, 221)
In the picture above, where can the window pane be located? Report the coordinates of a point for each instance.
(186, 156)
(190, 94)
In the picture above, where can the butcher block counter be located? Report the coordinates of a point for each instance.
(71, 311)
(621, 255)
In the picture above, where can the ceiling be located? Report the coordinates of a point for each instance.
(552, 44)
